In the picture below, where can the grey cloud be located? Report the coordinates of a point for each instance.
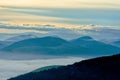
(98, 33)
(37, 28)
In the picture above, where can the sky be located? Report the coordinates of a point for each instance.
(63, 12)
(67, 14)
(64, 3)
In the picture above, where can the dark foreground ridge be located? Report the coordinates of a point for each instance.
(103, 68)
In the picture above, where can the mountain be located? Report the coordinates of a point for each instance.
(47, 46)
(42, 42)
(11, 40)
(96, 46)
(1, 43)
(116, 43)
(36, 45)
(4, 44)
(46, 68)
(102, 68)
(83, 46)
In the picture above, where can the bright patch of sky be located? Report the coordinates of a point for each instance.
(64, 3)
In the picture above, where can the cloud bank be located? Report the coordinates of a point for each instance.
(98, 32)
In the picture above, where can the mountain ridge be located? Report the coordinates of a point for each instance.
(101, 68)
(58, 46)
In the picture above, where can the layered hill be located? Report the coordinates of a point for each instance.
(96, 46)
(83, 46)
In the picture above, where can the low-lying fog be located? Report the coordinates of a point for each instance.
(11, 66)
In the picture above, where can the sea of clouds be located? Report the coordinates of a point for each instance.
(12, 68)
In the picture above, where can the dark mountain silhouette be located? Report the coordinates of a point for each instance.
(83, 46)
(102, 68)
(47, 68)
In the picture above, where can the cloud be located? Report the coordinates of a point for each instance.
(17, 14)
(12, 31)
(98, 32)
(12, 68)
(13, 15)
(41, 30)
(28, 27)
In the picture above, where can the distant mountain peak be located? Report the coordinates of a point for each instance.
(42, 42)
(86, 37)
(21, 37)
(52, 37)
